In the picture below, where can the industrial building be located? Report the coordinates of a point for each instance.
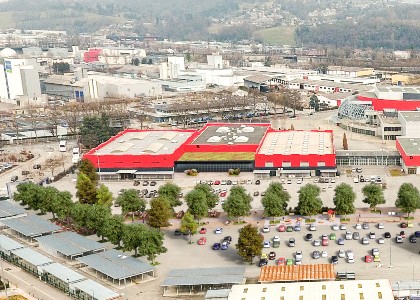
(217, 147)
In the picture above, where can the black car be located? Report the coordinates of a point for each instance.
(136, 182)
(14, 178)
(152, 183)
(229, 182)
(257, 182)
(413, 239)
(404, 225)
(262, 262)
(177, 232)
(417, 234)
(334, 259)
(37, 166)
(227, 239)
(387, 235)
(309, 237)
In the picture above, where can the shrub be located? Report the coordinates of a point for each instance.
(231, 171)
(236, 171)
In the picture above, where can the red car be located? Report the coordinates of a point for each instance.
(202, 241)
(222, 194)
(217, 182)
(281, 261)
(282, 228)
(324, 242)
(368, 259)
(203, 230)
(402, 234)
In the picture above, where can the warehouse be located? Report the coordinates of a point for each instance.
(217, 147)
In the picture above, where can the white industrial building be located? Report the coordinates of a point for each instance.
(19, 80)
(410, 123)
(120, 55)
(172, 68)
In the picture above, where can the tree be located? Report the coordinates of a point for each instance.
(211, 198)
(28, 194)
(104, 196)
(188, 224)
(374, 195)
(135, 61)
(344, 199)
(79, 214)
(51, 199)
(345, 143)
(408, 199)
(249, 243)
(96, 219)
(64, 206)
(309, 202)
(114, 229)
(170, 191)
(133, 237)
(131, 202)
(152, 244)
(314, 102)
(275, 200)
(144, 61)
(238, 203)
(197, 204)
(61, 68)
(86, 189)
(87, 167)
(159, 213)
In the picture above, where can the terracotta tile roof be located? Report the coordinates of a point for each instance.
(297, 273)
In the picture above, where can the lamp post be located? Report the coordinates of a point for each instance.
(99, 168)
(122, 257)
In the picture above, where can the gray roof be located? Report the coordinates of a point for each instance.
(8, 209)
(396, 88)
(69, 243)
(410, 116)
(214, 294)
(110, 264)
(223, 275)
(96, 290)
(229, 133)
(411, 146)
(63, 273)
(32, 257)
(8, 244)
(31, 226)
(258, 78)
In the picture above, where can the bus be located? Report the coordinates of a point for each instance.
(62, 146)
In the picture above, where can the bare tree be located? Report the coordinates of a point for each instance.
(72, 114)
(53, 163)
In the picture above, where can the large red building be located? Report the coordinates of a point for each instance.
(409, 148)
(216, 147)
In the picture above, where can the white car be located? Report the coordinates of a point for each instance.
(365, 241)
(312, 227)
(267, 244)
(349, 253)
(266, 229)
(276, 238)
(218, 231)
(341, 253)
(298, 255)
(335, 227)
(283, 180)
(350, 260)
(298, 262)
(317, 243)
(358, 227)
(375, 251)
(316, 180)
(381, 241)
(223, 182)
(343, 227)
(356, 180)
(349, 235)
(234, 182)
(324, 254)
(381, 226)
(332, 180)
(299, 181)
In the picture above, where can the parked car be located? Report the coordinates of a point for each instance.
(381, 241)
(341, 253)
(356, 235)
(312, 227)
(256, 193)
(334, 259)
(272, 255)
(343, 227)
(317, 243)
(358, 226)
(365, 241)
(216, 246)
(282, 228)
(178, 232)
(316, 254)
(202, 241)
(387, 235)
(298, 255)
(324, 254)
(203, 230)
(266, 229)
(417, 234)
(227, 239)
(281, 261)
(38, 167)
(399, 240)
(372, 235)
(297, 228)
(308, 237)
(291, 242)
(335, 227)
(333, 236)
(402, 234)
(413, 239)
(349, 235)
(257, 182)
(263, 262)
(381, 226)
(368, 258)
(145, 183)
(218, 231)
(267, 244)
(14, 178)
(404, 225)
(290, 262)
(289, 228)
(365, 226)
(325, 242)
(224, 246)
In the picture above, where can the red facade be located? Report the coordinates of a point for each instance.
(91, 55)
(400, 105)
(409, 160)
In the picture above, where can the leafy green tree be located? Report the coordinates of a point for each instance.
(249, 243)
(87, 167)
(197, 204)
(275, 200)
(238, 203)
(135, 61)
(373, 195)
(30, 194)
(96, 216)
(344, 199)
(104, 196)
(188, 224)
(61, 67)
(80, 214)
(408, 199)
(170, 191)
(132, 238)
(50, 201)
(131, 202)
(309, 201)
(86, 189)
(159, 213)
(64, 206)
(211, 198)
(314, 102)
(152, 244)
(114, 229)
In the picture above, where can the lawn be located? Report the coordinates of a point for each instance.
(278, 36)
(217, 156)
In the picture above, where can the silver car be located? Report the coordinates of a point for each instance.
(356, 235)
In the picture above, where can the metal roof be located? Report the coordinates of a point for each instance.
(258, 78)
(223, 275)
(229, 134)
(411, 146)
(8, 209)
(215, 294)
(96, 290)
(31, 226)
(297, 273)
(69, 243)
(8, 244)
(32, 257)
(112, 265)
(63, 273)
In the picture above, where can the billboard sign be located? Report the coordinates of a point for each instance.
(8, 66)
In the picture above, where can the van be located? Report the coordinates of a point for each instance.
(62, 146)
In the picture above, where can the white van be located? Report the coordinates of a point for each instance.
(63, 146)
(76, 155)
